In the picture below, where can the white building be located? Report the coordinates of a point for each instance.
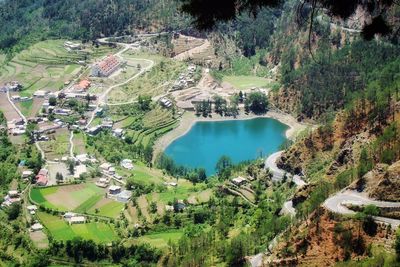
(127, 164)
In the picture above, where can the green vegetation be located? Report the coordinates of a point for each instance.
(245, 82)
(61, 230)
(161, 240)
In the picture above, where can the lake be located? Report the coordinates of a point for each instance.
(241, 140)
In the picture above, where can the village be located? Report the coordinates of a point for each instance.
(77, 184)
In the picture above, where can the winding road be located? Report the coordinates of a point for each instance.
(336, 204)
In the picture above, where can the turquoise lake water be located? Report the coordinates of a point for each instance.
(241, 140)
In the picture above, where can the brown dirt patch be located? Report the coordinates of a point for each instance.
(39, 239)
(63, 197)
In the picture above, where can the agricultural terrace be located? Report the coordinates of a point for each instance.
(153, 83)
(58, 145)
(245, 82)
(161, 240)
(60, 230)
(80, 198)
(79, 142)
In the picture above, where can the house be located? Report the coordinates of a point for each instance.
(111, 170)
(15, 98)
(27, 174)
(62, 111)
(40, 93)
(36, 227)
(239, 181)
(114, 189)
(105, 67)
(179, 206)
(77, 220)
(82, 158)
(82, 85)
(117, 176)
(124, 196)
(173, 184)
(68, 215)
(105, 166)
(118, 132)
(169, 208)
(94, 130)
(13, 86)
(165, 102)
(13, 193)
(127, 164)
(68, 45)
(42, 177)
(79, 170)
(32, 209)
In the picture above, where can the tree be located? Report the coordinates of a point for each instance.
(207, 13)
(365, 163)
(257, 102)
(144, 102)
(71, 166)
(14, 211)
(223, 164)
(59, 177)
(52, 101)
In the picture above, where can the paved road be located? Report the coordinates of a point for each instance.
(336, 204)
(15, 107)
(71, 144)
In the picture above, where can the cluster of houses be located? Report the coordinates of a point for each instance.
(106, 67)
(185, 80)
(16, 127)
(12, 86)
(115, 192)
(12, 196)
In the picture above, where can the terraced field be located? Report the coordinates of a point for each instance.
(61, 230)
(155, 123)
(153, 83)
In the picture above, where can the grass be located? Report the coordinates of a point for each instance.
(245, 82)
(111, 209)
(79, 141)
(90, 202)
(38, 195)
(26, 107)
(62, 231)
(160, 240)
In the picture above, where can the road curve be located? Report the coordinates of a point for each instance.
(336, 204)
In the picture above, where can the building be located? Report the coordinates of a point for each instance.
(68, 45)
(13, 86)
(27, 174)
(82, 85)
(165, 102)
(68, 215)
(32, 209)
(102, 182)
(62, 111)
(13, 193)
(77, 220)
(36, 227)
(82, 158)
(114, 189)
(118, 132)
(106, 67)
(127, 164)
(239, 181)
(79, 170)
(105, 166)
(124, 196)
(42, 177)
(40, 93)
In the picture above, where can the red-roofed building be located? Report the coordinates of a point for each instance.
(42, 177)
(105, 67)
(83, 85)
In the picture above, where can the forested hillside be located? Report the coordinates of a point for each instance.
(27, 21)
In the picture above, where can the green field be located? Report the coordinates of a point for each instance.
(245, 82)
(61, 230)
(80, 198)
(160, 240)
(111, 209)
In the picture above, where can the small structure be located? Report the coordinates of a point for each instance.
(77, 220)
(79, 170)
(62, 111)
(32, 209)
(165, 102)
(68, 45)
(27, 174)
(179, 206)
(239, 181)
(118, 132)
(114, 189)
(68, 215)
(127, 164)
(42, 177)
(82, 85)
(124, 196)
(106, 67)
(169, 208)
(40, 93)
(36, 227)
(102, 182)
(82, 158)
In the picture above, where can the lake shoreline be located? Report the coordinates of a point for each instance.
(188, 119)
